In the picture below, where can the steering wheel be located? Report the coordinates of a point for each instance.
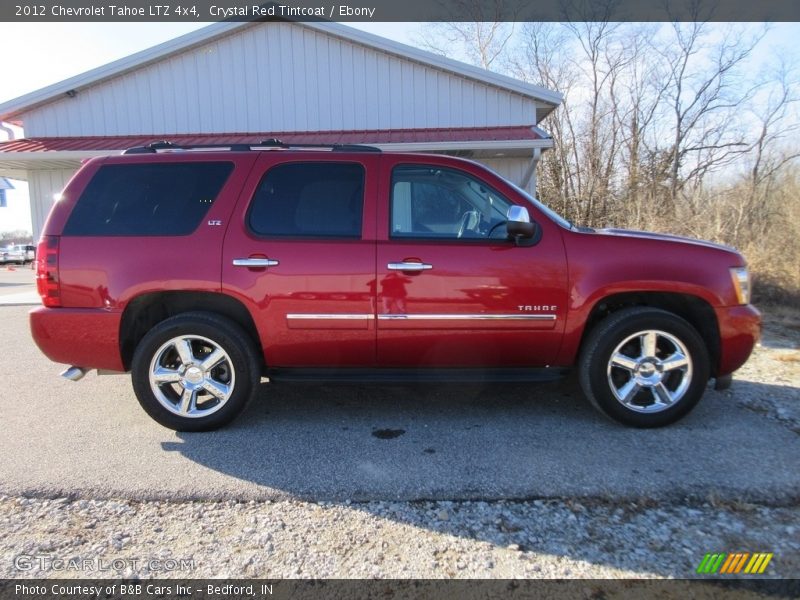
(495, 226)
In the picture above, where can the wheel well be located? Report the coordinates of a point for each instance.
(692, 309)
(147, 310)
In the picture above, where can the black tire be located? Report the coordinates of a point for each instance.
(239, 371)
(599, 378)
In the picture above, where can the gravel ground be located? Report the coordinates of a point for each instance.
(775, 362)
(380, 539)
(471, 539)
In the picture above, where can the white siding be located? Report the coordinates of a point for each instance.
(279, 77)
(42, 185)
(513, 169)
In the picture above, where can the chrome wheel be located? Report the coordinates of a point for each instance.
(649, 371)
(191, 376)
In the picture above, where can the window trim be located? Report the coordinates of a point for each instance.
(288, 236)
(441, 240)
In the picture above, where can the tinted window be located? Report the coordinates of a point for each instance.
(434, 202)
(148, 199)
(321, 199)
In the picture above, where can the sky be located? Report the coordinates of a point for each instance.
(36, 55)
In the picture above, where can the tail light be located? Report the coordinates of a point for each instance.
(47, 283)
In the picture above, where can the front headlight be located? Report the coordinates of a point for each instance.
(741, 283)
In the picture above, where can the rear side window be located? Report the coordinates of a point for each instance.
(147, 199)
(321, 199)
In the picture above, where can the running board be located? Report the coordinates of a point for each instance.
(474, 375)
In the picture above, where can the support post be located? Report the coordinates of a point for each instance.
(528, 182)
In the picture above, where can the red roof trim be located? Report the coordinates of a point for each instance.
(382, 136)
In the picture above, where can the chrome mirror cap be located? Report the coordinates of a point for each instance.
(518, 223)
(518, 214)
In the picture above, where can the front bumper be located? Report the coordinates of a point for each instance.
(84, 337)
(739, 332)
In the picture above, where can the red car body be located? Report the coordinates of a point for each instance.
(570, 275)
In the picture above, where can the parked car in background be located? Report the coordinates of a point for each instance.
(14, 255)
(27, 250)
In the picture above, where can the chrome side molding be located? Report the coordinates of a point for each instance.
(330, 317)
(466, 317)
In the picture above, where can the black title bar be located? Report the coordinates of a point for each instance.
(393, 589)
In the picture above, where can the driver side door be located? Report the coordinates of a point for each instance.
(453, 290)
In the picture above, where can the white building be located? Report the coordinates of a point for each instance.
(299, 82)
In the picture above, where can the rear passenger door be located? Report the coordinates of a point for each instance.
(300, 254)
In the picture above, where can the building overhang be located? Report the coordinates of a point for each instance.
(22, 155)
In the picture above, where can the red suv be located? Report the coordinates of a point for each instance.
(201, 270)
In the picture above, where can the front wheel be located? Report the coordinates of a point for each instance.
(644, 367)
(195, 371)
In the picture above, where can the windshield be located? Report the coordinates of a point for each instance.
(543, 207)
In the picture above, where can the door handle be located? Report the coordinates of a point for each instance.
(255, 262)
(409, 266)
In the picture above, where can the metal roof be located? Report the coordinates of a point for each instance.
(472, 136)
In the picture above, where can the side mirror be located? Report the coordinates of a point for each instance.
(519, 223)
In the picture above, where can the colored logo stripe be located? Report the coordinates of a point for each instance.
(734, 563)
(711, 563)
(724, 563)
(758, 564)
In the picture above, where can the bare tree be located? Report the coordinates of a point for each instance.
(635, 109)
(542, 59)
(703, 96)
(481, 39)
(771, 151)
(586, 62)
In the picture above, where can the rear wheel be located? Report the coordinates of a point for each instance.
(195, 371)
(644, 367)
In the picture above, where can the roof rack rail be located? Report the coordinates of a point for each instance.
(164, 145)
(155, 147)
